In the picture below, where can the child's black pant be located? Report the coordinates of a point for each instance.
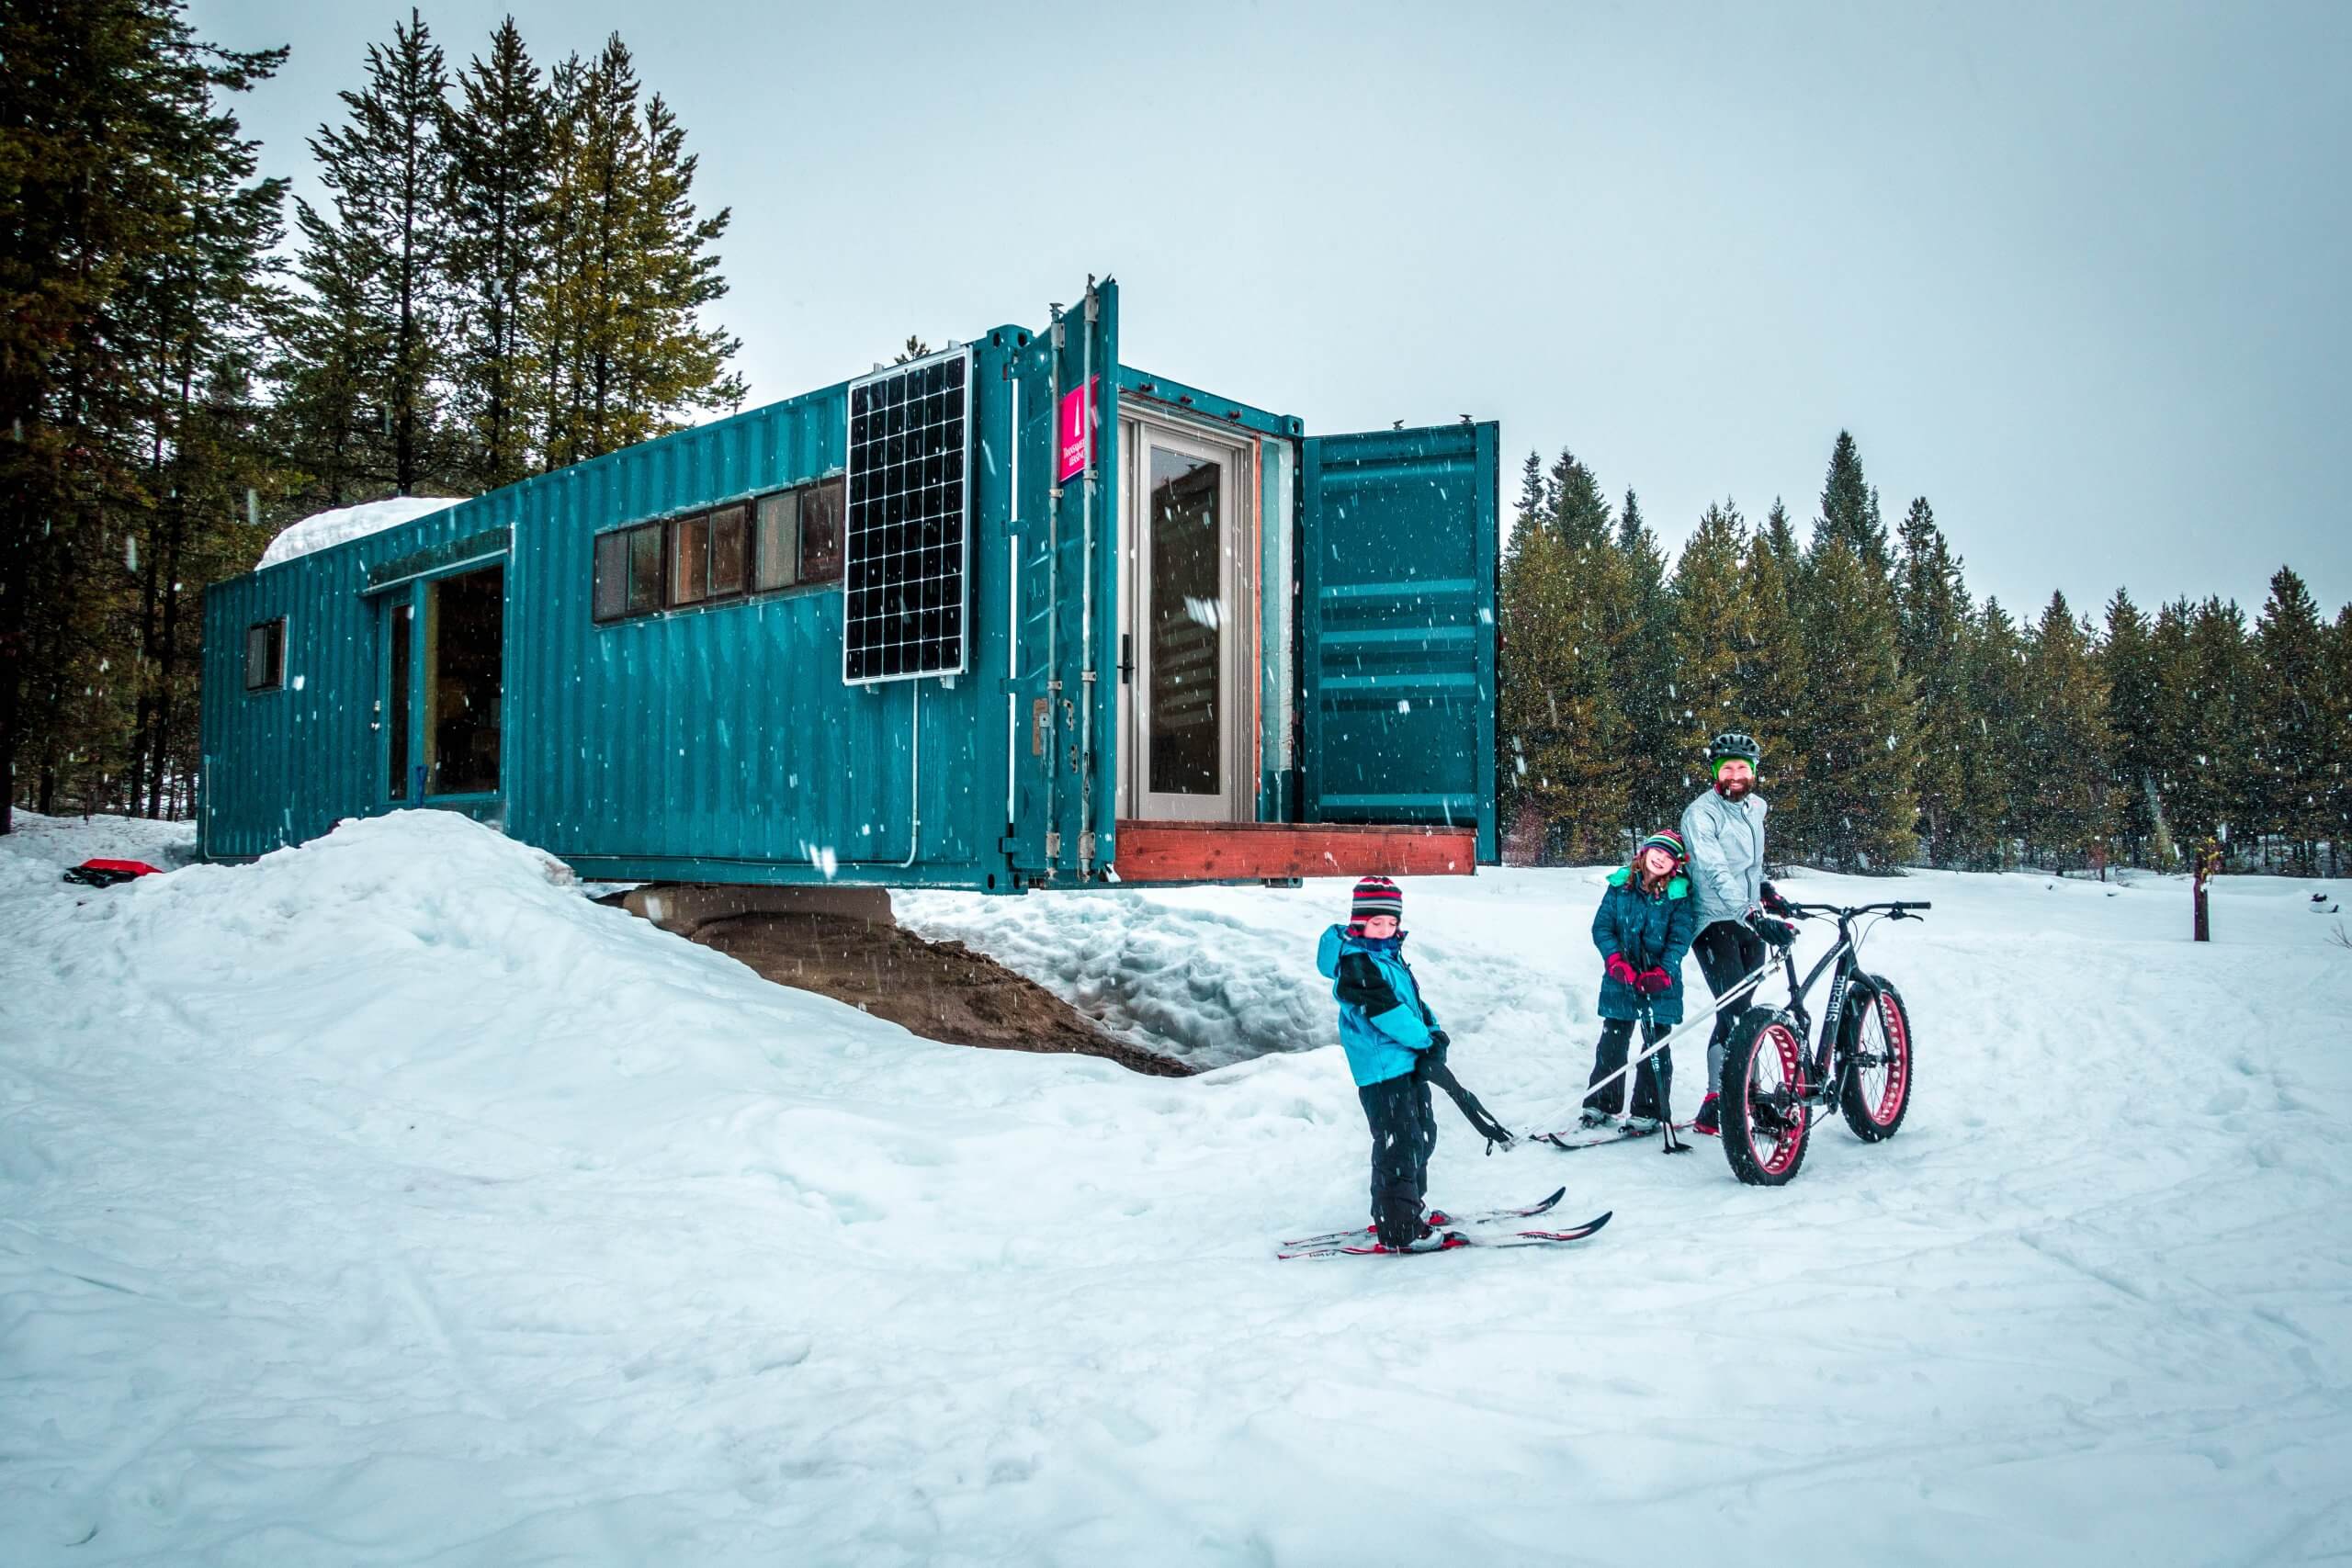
(1404, 1132)
(1652, 1080)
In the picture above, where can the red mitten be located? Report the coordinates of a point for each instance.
(1620, 970)
(1653, 982)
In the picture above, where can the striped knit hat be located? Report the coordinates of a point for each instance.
(1666, 839)
(1376, 895)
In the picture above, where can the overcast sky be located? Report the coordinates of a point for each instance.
(2076, 274)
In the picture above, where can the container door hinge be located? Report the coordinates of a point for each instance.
(1053, 845)
(1085, 851)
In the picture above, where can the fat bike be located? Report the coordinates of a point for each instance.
(1775, 1083)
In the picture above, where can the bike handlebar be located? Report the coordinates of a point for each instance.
(1899, 908)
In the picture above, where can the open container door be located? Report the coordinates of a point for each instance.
(1396, 554)
(1397, 566)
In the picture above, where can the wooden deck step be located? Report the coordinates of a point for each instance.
(1247, 852)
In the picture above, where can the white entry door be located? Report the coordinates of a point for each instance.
(1180, 650)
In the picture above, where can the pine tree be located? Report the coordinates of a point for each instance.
(2216, 727)
(1554, 702)
(1709, 608)
(2128, 662)
(200, 317)
(1856, 721)
(2172, 652)
(1856, 718)
(110, 141)
(1987, 814)
(1580, 513)
(1780, 536)
(498, 174)
(1850, 508)
(2063, 762)
(629, 269)
(1567, 596)
(2296, 735)
(1646, 677)
(1768, 679)
(1932, 603)
(1527, 841)
(372, 341)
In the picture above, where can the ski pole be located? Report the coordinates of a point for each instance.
(1481, 1122)
(1667, 1143)
(1748, 983)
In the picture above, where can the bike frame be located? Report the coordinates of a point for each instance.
(1823, 1060)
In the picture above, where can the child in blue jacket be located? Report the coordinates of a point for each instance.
(1389, 1034)
(1642, 928)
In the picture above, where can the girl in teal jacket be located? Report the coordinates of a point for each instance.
(1642, 928)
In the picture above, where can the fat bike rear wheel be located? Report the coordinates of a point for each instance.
(1876, 1095)
(1763, 1110)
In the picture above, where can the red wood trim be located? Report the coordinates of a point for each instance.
(1249, 851)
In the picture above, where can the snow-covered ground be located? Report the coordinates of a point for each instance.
(387, 1201)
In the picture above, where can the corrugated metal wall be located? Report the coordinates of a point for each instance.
(284, 765)
(717, 741)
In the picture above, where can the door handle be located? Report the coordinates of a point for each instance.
(1126, 659)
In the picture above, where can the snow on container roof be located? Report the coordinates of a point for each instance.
(323, 529)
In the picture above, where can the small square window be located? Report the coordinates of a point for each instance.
(690, 560)
(266, 655)
(821, 531)
(612, 575)
(727, 550)
(779, 540)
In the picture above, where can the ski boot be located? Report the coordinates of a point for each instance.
(1704, 1124)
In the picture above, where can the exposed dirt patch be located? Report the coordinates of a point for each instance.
(941, 990)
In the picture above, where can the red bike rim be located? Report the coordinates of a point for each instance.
(1884, 1086)
(1779, 1054)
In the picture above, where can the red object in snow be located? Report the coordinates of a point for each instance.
(106, 873)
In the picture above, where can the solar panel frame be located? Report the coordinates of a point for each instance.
(876, 548)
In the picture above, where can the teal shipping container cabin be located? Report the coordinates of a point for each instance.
(1013, 615)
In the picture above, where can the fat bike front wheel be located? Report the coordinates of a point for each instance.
(1876, 1095)
(1762, 1111)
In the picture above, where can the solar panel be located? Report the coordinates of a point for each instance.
(906, 549)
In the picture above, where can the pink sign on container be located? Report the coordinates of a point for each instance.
(1077, 433)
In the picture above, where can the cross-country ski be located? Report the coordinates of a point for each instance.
(1453, 1240)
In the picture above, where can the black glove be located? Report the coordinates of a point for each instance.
(1773, 903)
(1440, 1039)
(1434, 1058)
(1776, 933)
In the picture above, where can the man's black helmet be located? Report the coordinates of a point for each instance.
(1735, 743)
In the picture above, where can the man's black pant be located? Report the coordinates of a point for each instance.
(1652, 1080)
(1404, 1132)
(1728, 953)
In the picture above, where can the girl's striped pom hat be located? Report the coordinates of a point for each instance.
(1375, 895)
(1669, 840)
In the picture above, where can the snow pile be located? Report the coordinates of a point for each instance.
(1209, 975)
(387, 1201)
(323, 529)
